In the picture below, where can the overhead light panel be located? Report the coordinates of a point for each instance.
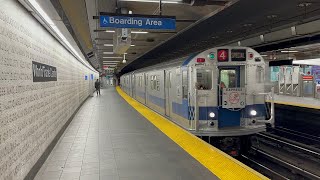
(112, 57)
(133, 32)
(112, 61)
(154, 1)
(132, 45)
(108, 45)
(107, 52)
(139, 32)
(289, 51)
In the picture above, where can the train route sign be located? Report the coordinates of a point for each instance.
(233, 98)
(138, 22)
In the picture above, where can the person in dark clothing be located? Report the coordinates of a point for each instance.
(97, 86)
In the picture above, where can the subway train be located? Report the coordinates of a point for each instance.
(218, 95)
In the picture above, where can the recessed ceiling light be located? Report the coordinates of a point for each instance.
(289, 51)
(304, 4)
(107, 52)
(139, 32)
(112, 57)
(108, 45)
(247, 25)
(272, 16)
(110, 31)
(112, 61)
(132, 45)
(154, 1)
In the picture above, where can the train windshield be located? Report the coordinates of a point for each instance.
(228, 78)
(204, 79)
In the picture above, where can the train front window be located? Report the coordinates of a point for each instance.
(228, 78)
(204, 79)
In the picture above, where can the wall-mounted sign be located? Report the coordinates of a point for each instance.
(85, 77)
(138, 22)
(43, 72)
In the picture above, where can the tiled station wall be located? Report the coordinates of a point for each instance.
(32, 113)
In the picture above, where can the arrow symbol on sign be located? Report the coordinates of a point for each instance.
(105, 21)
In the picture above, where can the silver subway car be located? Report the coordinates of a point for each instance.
(218, 94)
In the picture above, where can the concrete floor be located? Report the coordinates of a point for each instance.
(109, 140)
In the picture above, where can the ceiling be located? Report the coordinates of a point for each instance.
(198, 27)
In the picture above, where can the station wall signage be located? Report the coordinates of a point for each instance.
(138, 22)
(43, 73)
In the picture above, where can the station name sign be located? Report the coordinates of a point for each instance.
(138, 22)
(42, 72)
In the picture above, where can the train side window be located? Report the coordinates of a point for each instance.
(155, 82)
(204, 79)
(228, 78)
(151, 82)
(185, 84)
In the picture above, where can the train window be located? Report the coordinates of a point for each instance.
(228, 78)
(155, 83)
(185, 84)
(158, 85)
(151, 82)
(204, 79)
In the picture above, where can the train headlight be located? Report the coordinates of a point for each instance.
(212, 114)
(253, 112)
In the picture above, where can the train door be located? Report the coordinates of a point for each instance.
(133, 84)
(143, 88)
(146, 88)
(167, 88)
(229, 77)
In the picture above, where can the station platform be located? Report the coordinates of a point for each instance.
(305, 102)
(109, 139)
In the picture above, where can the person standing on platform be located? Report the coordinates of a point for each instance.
(97, 86)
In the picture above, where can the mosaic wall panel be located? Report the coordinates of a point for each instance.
(32, 113)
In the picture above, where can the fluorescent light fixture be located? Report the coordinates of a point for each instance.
(132, 45)
(133, 32)
(290, 51)
(33, 4)
(112, 61)
(139, 32)
(154, 1)
(108, 45)
(315, 62)
(112, 57)
(107, 52)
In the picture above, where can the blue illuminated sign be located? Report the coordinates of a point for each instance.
(85, 77)
(92, 77)
(116, 21)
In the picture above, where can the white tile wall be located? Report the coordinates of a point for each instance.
(31, 114)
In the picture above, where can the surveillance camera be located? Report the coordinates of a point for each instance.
(124, 38)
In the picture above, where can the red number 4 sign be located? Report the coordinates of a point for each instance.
(223, 55)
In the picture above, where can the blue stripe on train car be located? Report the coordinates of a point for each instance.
(141, 94)
(181, 109)
(157, 101)
(228, 118)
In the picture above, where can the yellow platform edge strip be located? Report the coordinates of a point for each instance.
(216, 161)
(296, 104)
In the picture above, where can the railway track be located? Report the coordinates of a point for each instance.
(282, 158)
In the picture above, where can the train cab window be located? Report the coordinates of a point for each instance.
(204, 79)
(228, 78)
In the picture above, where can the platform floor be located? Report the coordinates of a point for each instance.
(109, 140)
